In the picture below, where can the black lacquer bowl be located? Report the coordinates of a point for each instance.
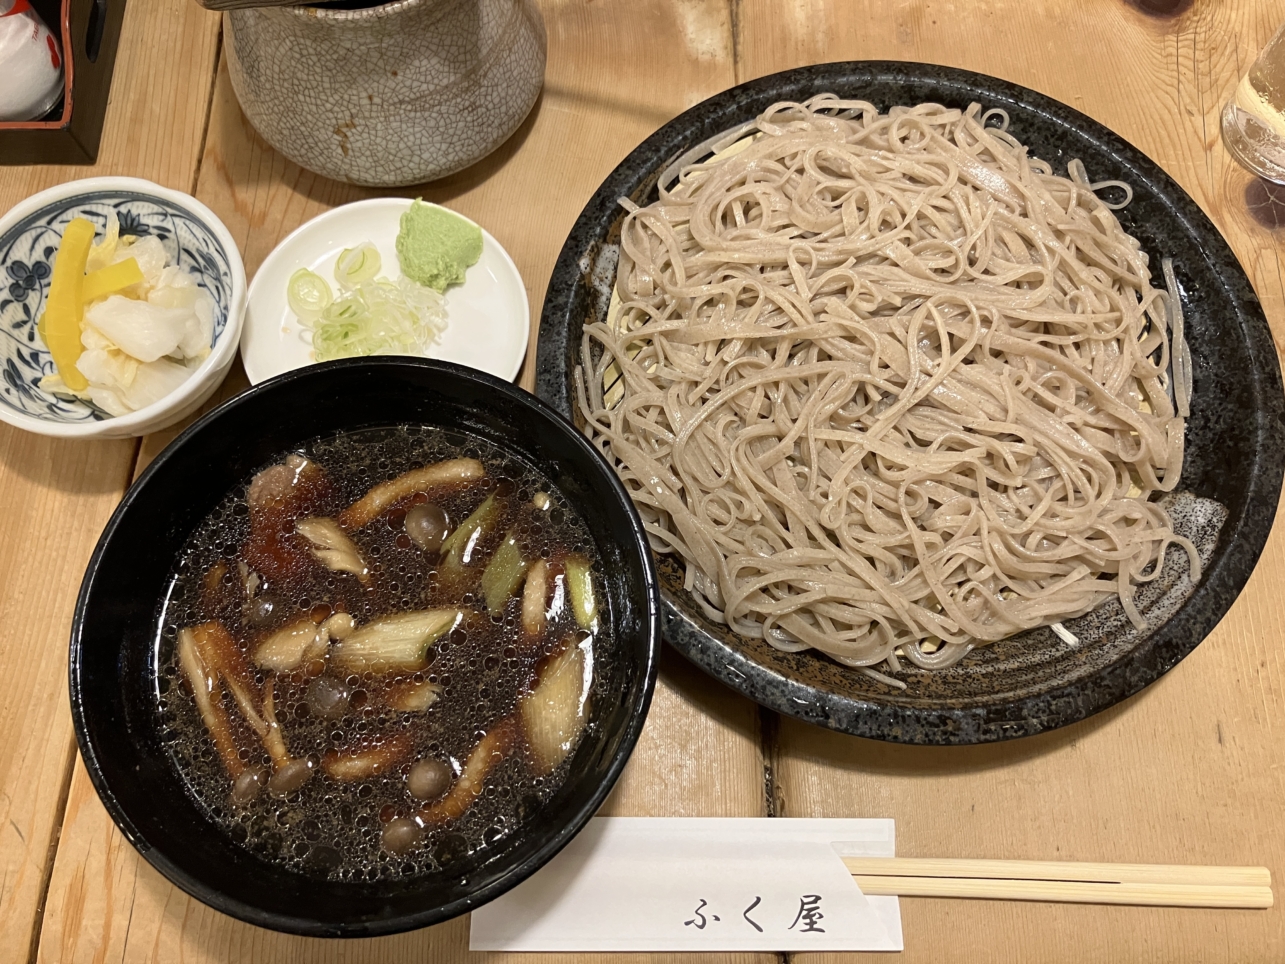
(114, 639)
(1235, 452)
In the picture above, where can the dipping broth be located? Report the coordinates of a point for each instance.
(376, 656)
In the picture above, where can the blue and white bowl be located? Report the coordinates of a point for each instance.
(29, 237)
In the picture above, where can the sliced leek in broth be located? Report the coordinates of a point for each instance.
(359, 697)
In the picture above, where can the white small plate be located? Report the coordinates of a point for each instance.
(487, 317)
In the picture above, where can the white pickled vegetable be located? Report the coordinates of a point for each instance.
(139, 328)
(150, 255)
(152, 382)
(108, 367)
(177, 289)
(106, 399)
(91, 339)
(103, 253)
(199, 330)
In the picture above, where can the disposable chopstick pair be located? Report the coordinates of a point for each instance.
(1158, 885)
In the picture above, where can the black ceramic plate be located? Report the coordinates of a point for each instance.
(1235, 455)
(114, 640)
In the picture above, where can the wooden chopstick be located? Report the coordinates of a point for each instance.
(1058, 870)
(1063, 891)
(1159, 885)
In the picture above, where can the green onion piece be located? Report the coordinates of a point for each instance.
(503, 574)
(462, 539)
(308, 294)
(580, 587)
(375, 319)
(395, 643)
(356, 265)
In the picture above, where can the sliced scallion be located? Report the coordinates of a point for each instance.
(357, 264)
(308, 294)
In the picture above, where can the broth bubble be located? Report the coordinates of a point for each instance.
(290, 778)
(401, 835)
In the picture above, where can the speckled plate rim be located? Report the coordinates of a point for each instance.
(1245, 533)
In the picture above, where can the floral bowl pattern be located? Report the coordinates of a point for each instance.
(29, 237)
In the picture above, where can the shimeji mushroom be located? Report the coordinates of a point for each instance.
(489, 753)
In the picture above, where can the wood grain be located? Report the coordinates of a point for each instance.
(1189, 770)
(700, 751)
(58, 494)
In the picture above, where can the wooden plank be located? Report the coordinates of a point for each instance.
(1188, 771)
(152, 445)
(699, 753)
(58, 494)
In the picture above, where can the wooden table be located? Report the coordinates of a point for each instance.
(1191, 770)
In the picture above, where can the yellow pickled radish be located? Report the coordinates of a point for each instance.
(109, 280)
(60, 324)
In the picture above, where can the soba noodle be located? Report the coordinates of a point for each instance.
(890, 387)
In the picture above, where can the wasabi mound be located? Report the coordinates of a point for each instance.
(435, 246)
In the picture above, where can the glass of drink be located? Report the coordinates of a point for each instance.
(1253, 122)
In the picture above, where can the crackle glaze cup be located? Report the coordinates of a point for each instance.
(388, 95)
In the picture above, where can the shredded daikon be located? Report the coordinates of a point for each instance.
(377, 318)
(373, 316)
